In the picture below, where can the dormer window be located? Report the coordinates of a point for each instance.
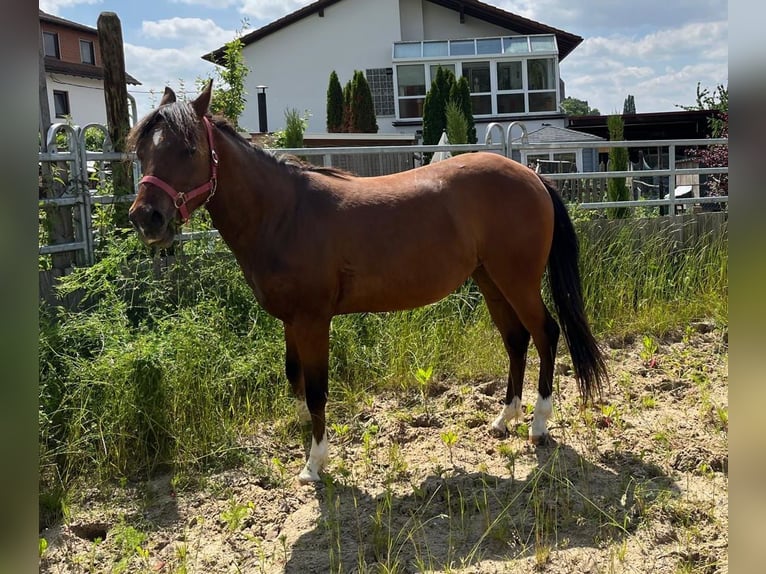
(87, 54)
(51, 45)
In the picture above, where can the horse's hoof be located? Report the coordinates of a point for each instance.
(307, 476)
(540, 440)
(499, 429)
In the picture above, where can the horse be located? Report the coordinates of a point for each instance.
(315, 242)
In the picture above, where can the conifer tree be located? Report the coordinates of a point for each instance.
(364, 120)
(334, 104)
(460, 93)
(616, 189)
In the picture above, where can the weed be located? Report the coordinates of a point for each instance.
(234, 515)
(449, 438)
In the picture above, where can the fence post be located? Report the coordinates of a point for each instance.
(116, 99)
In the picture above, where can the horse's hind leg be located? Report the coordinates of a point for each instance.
(294, 373)
(516, 340)
(522, 291)
(312, 342)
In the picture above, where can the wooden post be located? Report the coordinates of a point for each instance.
(116, 99)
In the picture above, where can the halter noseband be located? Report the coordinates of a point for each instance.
(181, 199)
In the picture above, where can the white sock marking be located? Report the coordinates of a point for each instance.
(316, 461)
(512, 411)
(543, 411)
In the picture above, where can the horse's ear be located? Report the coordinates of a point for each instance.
(168, 97)
(202, 102)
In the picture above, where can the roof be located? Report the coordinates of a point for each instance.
(555, 134)
(56, 66)
(686, 124)
(45, 17)
(474, 8)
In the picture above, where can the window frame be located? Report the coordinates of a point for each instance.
(56, 44)
(61, 107)
(91, 48)
(506, 55)
(553, 156)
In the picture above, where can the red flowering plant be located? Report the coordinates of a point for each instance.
(714, 155)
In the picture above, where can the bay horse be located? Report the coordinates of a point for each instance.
(317, 242)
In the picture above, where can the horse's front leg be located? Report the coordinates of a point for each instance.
(311, 339)
(294, 373)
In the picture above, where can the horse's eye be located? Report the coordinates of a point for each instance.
(191, 151)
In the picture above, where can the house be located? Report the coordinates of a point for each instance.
(570, 157)
(511, 63)
(73, 71)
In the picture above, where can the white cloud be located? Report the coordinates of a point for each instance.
(608, 15)
(214, 4)
(201, 30)
(54, 6)
(269, 10)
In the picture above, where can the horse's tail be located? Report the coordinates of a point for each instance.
(566, 289)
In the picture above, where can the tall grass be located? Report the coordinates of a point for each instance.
(171, 366)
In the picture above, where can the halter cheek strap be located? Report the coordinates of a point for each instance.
(182, 199)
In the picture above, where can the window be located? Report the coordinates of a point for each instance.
(515, 75)
(477, 74)
(542, 85)
(87, 55)
(61, 103)
(411, 88)
(51, 45)
(558, 162)
(435, 67)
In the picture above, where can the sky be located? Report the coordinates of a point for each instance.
(656, 50)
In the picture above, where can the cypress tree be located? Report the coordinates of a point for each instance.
(460, 93)
(348, 120)
(334, 105)
(616, 189)
(434, 120)
(364, 120)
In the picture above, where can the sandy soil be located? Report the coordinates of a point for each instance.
(637, 483)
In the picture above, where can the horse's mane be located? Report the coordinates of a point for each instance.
(182, 119)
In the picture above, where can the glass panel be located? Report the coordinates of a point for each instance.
(509, 76)
(411, 80)
(450, 67)
(541, 74)
(411, 108)
(51, 44)
(435, 48)
(543, 43)
(481, 105)
(477, 74)
(462, 48)
(488, 46)
(542, 102)
(86, 52)
(515, 45)
(407, 50)
(510, 104)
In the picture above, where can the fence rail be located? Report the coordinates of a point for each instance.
(85, 172)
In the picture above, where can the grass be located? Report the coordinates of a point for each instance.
(169, 370)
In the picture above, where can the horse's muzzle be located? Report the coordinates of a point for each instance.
(154, 228)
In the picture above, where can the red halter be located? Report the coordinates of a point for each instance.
(180, 200)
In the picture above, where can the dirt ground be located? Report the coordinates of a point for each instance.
(417, 483)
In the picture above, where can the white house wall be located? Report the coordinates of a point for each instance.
(441, 23)
(295, 63)
(86, 98)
